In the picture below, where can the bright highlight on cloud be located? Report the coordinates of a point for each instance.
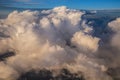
(51, 39)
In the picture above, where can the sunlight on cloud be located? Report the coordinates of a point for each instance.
(55, 38)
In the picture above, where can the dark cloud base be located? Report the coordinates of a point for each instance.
(48, 75)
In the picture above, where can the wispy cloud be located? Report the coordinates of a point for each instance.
(22, 0)
(30, 4)
(20, 3)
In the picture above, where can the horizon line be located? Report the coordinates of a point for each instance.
(6, 6)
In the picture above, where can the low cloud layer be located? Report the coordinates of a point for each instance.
(51, 39)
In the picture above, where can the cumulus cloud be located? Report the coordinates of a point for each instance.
(115, 26)
(48, 39)
(85, 42)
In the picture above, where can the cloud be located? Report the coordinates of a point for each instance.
(22, 0)
(115, 26)
(85, 42)
(48, 39)
(7, 72)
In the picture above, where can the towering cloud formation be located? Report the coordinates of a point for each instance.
(115, 26)
(49, 39)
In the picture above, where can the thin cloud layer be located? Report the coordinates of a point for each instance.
(22, 0)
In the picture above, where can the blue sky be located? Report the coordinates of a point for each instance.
(77, 4)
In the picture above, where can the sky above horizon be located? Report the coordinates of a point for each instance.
(77, 4)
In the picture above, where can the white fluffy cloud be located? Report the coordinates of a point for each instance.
(115, 26)
(85, 42)
(46, 39)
